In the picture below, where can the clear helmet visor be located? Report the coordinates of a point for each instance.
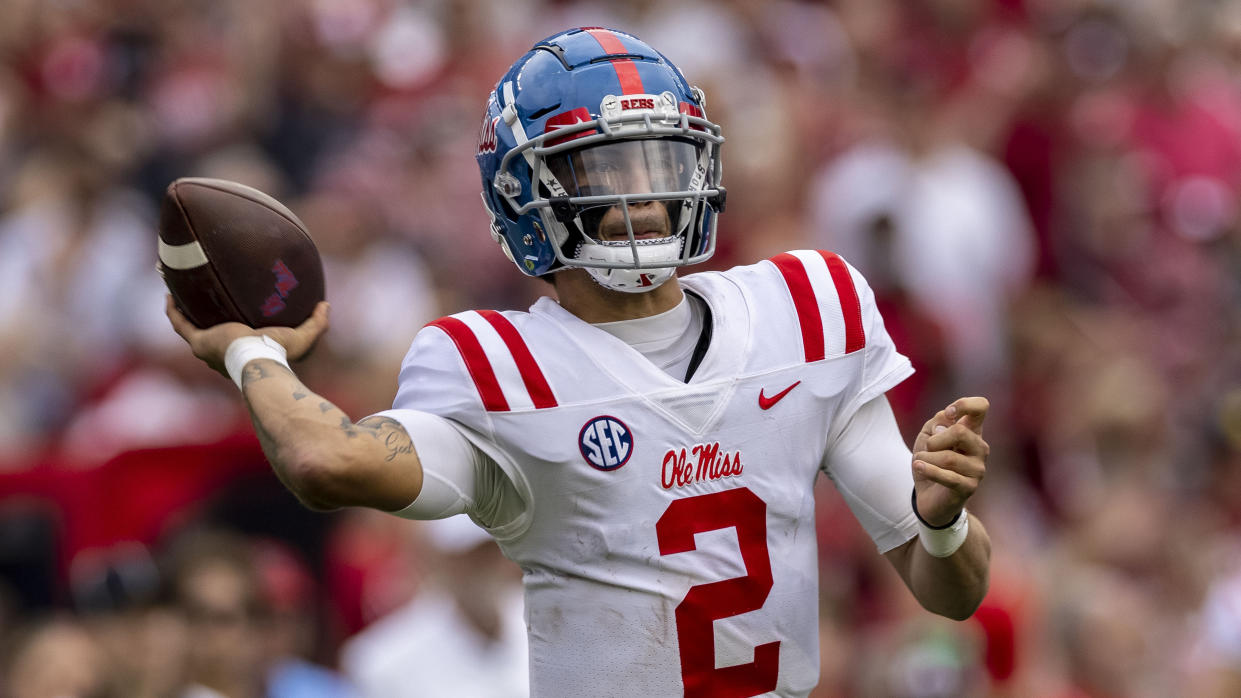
(636, 169)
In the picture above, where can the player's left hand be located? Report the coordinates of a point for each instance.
(950, 459)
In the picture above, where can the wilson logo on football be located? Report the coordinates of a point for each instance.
(487, 141)
(606, 443)
(699, 463)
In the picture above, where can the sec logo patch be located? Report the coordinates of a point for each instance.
(606, 443)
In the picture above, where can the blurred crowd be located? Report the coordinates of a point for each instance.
(1045, 195)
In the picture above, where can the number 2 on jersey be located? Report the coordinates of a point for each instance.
(706, 603)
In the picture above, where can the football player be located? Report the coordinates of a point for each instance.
(644, 446)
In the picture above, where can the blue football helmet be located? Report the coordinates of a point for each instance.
(595, 152)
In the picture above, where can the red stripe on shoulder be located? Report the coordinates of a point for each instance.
(806, 304)
(626, 71)
(476, 362)
(850, 306)
(536, 383)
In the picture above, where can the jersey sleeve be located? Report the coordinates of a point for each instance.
(884, 366)
(434, 379)
(463, 469)
(834, 311)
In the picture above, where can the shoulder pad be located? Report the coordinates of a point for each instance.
(825, 294)
(484, 346)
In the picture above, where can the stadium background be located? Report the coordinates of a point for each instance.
(1044, 193)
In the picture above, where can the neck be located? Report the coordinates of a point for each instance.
(580, 295)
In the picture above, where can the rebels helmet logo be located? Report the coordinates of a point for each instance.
(487, 136)
(606, 443)
(638, 103)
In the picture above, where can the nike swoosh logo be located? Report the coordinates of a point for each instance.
(766, 403)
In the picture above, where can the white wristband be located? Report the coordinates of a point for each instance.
(243, 350)
(943, 542)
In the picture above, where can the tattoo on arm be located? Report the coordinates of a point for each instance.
(348, 426)
(260, 370)
(390, 431)
(253, 372)
(300, 395)
(397, 442)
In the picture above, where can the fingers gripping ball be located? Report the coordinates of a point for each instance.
(230, 253)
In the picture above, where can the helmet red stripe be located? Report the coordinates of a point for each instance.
(806, 304)
(476, 362)
(536, 383)
(626, 71)
(850, 307)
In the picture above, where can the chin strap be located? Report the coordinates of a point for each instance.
(650, 252)
(630, 280)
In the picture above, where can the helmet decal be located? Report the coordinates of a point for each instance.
(626, 72)
(487, 137)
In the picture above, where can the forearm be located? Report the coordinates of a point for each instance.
(951, 586)
(291, 422)
(316, 450)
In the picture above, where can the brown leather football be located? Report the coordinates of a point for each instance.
(229, 252)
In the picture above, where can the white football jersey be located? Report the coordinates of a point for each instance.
(667, 535)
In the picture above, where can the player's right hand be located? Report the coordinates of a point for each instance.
(298, 341)
(211, 343)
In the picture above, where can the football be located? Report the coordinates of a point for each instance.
(230, 253)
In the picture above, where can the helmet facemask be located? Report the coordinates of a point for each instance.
(640, 234)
